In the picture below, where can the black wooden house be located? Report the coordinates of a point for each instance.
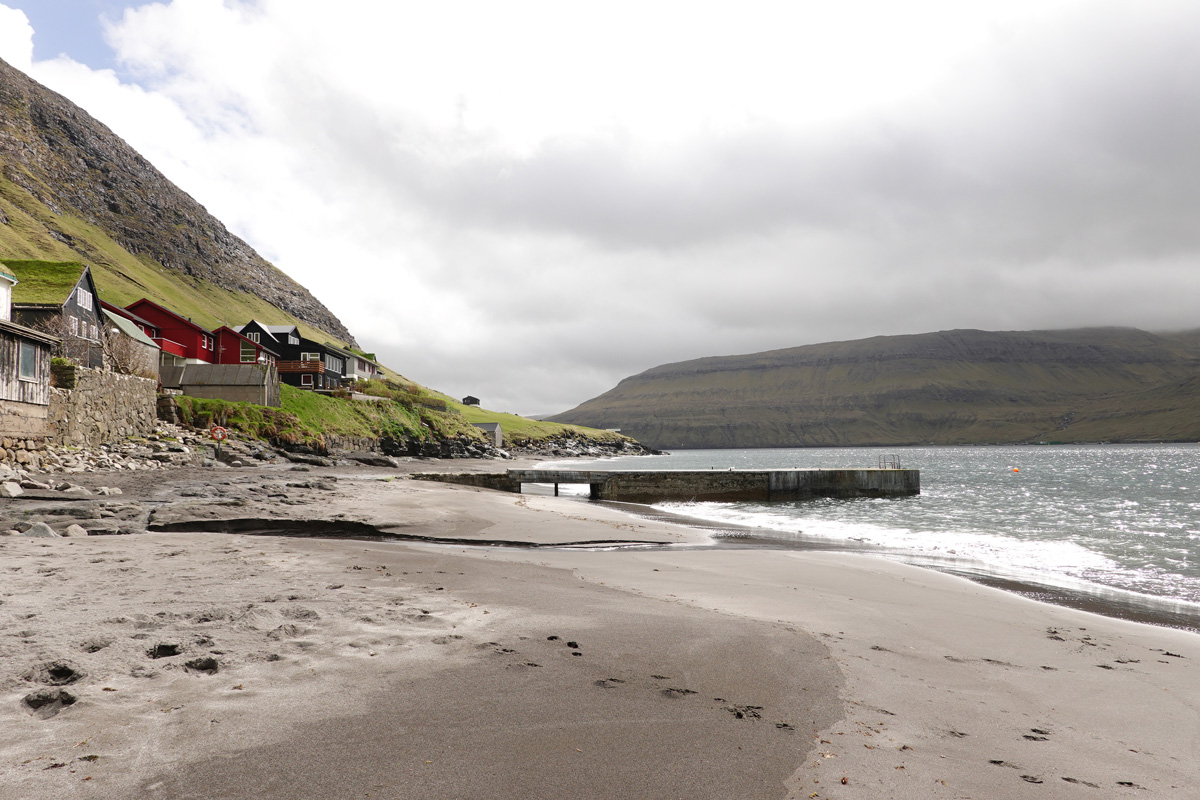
(302, 362)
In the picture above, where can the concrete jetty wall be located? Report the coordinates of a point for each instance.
(711, 485)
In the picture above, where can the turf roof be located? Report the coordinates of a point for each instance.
(43, 282)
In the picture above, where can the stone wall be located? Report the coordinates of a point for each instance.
(103, 407)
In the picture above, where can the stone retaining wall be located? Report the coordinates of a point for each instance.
(103, 407)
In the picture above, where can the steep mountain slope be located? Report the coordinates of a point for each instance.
(952, 387)
(72, 190)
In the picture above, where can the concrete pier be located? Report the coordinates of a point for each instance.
(713, 485)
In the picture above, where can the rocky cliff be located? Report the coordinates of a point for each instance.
(70, 188)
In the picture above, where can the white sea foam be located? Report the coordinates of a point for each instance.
(1123, 516)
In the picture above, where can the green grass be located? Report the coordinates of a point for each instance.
(310, 419)
(43, 281)
(524, 431)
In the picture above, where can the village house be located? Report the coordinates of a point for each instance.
(59, 298)
(303, 362)
(181, 340)
(358, 366)
(24, 375)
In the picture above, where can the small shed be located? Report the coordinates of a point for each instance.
(493, 430)
(237, 383)
(470, 401)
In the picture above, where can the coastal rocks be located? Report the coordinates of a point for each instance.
(11, 489)
(457, 447)
(40, 530)
(569, 446)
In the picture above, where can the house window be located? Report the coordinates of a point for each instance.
(333, 364)
(254, 337)
(310, 356)
(247, 353)
(83, 298)
(293, 339)
(28, 365)
(74, 325)
(95, 333)
(306, 380)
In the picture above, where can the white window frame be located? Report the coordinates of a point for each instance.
(310, 357)
(83, 298)
(306, 379)
(74, 325)
(253, 336)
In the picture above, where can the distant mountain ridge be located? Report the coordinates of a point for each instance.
(72, 190)
(949, 387)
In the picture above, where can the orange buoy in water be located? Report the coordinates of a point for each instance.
(1016, 470)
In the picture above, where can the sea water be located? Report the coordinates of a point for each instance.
(1109, 519)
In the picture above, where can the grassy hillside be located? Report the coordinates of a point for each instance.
(122, 277)
(953, 387)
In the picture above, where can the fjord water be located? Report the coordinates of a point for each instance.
(1106, 520)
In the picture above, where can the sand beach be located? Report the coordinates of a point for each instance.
(183, 663)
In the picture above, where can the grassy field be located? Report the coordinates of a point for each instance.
(311, 419)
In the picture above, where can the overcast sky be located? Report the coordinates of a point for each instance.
(528, 201)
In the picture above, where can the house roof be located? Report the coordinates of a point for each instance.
(212, 375)
(177, 317)
(27, 333)
(43, 282)
(4, 273)
(128, 328)
(274, 331)
(126, 313)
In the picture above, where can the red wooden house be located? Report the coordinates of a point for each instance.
(179, 337)
(233, 348)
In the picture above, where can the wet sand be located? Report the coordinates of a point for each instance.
(230, 664)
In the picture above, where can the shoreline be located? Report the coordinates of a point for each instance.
(348, 668)
(1115, 603)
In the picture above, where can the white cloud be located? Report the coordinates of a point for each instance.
(16, 38)
(528, 201)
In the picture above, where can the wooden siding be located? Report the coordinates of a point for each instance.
(36, 391)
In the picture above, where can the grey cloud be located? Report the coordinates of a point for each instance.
(1053, 182)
